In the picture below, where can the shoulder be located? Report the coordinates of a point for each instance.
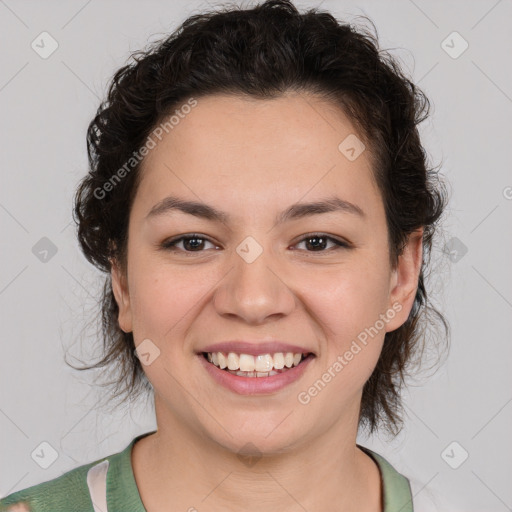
(72, 490)
(66, 492)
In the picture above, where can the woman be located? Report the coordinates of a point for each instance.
(259, 197)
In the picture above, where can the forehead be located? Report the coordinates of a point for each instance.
(238, 148)
(295, 125)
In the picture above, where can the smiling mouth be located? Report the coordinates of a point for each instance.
(264, 365)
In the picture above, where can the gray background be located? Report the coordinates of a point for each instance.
(46, 299)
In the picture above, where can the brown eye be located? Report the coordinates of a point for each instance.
(317, 242)
(191, 243)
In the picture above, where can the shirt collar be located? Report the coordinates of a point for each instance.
(396, 488)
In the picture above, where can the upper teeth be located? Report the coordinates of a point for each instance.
(250, 363)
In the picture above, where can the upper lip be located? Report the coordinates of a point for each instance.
(255, 348)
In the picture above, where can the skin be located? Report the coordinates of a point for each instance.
(252, 159)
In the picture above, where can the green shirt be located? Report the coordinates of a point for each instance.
(70, 492)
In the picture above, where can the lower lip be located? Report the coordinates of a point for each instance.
(255, 385)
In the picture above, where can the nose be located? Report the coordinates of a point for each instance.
(254, 290)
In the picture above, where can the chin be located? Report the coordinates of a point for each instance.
(251, 441)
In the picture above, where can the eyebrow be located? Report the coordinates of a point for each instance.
(295, 211)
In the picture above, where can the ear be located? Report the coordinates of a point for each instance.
(120, 289)
(404, 280)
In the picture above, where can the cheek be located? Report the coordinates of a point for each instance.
(347, 311)
(349, 299)
(163, 305)
(161, 299)
(353, 344)
(350, 310)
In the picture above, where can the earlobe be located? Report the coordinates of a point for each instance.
(405, 279)
(120, 290)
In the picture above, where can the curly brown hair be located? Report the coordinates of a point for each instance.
(263, 52)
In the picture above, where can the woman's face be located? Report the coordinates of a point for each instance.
(259, 275)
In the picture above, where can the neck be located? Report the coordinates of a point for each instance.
(180, 467)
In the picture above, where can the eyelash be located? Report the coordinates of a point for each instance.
(170, 245)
